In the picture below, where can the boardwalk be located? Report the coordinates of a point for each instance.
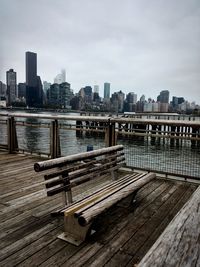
(28, 234)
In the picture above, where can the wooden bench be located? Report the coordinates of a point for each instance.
(70, 171)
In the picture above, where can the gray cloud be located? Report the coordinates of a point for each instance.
(138, 45)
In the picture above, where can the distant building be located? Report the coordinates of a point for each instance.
(106, 90)
(61, 77)
(140, 104)
(96, 89)
(40, 91)
(142, 98)
(176, 101)
(59, 95)
(66, 94)
(11, 82)
(31, 69)
(163, 97)
(117, 100)
(21, 90)
(46, 86)
(164, 107)
(34, 91)
(75, 102)
(130, 102)
(3, 101)
(148, 107)
(86, 94)
(96, 97)
(155, 107)
(2, 89)
(53, 95)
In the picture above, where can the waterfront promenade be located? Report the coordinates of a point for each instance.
(28, 234)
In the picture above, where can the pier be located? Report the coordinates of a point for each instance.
(29, 233)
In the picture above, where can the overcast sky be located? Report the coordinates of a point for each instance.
(141, 46)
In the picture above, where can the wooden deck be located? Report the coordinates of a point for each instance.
(28, 234)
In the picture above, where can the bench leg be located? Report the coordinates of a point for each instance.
(73, 232)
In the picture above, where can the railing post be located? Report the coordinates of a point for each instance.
(110, 137)
(12, 135)
(54, 140)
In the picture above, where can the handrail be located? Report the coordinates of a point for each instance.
(115, 119)
(156, 136)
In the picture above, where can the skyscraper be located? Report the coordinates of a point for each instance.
(31, 69)
(11, 82)
(34, 92)
(106, 90)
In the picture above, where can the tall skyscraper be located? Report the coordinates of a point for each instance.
(106, 90)
(31, 69)
(11, 82)
(34, 92)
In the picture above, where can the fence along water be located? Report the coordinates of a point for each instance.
(167, 146)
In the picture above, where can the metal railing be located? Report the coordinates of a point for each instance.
(164, 146)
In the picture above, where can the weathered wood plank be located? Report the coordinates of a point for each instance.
(163, 224)
(27, 236)
(169, 200)
(179, 245)
(120, 259)
(33, 253)
(68, 257)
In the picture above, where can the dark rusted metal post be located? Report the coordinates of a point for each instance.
(54, 140)
(12, 136)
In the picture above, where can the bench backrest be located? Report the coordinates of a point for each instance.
(67, 172)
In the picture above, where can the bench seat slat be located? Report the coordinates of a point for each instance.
(110, 191)
(83, 202)
(103, 205)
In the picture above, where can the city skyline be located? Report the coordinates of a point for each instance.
(95, 88)
(138, 46)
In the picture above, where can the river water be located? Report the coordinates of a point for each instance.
(182, 159)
